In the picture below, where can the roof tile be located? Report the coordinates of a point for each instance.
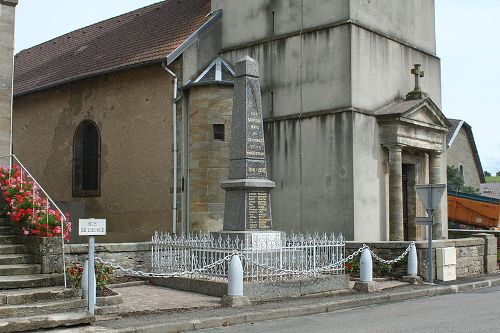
(141, 36)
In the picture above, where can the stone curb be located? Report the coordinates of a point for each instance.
(307, 309)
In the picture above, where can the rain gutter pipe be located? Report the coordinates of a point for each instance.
(174, 129)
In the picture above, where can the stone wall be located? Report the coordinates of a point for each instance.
(473, 254)
(7, 19)
(133, 112)
(136, 256)
(460, 153)
(208, 157)
(46, 252)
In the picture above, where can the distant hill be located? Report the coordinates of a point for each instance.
(493, 179)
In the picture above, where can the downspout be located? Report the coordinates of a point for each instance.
(174, 129)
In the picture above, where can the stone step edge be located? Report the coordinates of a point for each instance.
(303, 310)
(68, 305)
(31, 323)
(34, 296)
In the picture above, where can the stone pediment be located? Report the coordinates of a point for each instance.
(423, 112)
(417, 124)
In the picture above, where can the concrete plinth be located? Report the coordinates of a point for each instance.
(366, 287)
(415, 280)
(234, 301)
(261, 239)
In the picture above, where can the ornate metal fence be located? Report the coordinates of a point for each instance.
(266, 258)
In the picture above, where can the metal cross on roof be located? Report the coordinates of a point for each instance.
(418, 74)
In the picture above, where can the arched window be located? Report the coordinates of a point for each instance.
(86, 159)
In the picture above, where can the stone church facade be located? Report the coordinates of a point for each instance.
(348, 128)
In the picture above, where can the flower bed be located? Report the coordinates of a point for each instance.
(28, 209)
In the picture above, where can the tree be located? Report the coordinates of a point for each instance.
(456, 181)
(498, 173)
(487, 174)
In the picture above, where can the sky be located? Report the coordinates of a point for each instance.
(468, 43)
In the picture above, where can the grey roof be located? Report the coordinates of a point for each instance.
(455, 123)
(491, 190)
(398, 107)
(452, 134)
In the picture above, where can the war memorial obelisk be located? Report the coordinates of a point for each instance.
(247, 210)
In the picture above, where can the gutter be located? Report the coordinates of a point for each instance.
(175, 149)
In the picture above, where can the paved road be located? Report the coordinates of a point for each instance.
(475, 311)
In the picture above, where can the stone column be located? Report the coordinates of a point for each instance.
(435, 178)
(7, 18)
(396, 229)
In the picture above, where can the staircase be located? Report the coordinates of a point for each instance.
(30, 300)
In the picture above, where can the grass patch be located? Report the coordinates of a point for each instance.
(493, 179)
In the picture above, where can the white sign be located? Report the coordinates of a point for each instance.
(92, 227)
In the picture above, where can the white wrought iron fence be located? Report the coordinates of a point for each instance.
(265, 258)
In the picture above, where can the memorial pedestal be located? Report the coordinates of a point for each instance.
(256, 239)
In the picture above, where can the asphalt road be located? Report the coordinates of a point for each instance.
(474, 311)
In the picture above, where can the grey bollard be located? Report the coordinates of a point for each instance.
(412, 261)
(365, 266)
(235, 277)
(84, 282)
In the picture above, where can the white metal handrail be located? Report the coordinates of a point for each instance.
(37, 186)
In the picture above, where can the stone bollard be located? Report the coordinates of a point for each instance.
(235, 297)
(412, 261)
(366, 283)
(412, 276)
(366, 266)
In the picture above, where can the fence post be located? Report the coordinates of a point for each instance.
(235, 297)
(366, 266)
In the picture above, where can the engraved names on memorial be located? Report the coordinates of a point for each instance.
(259, 210)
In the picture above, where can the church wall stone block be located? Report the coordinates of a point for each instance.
(411, 20)
(311, 164)
(208, 157)
(380, 71)
(132, 112)
(7, 19)
(307, 73)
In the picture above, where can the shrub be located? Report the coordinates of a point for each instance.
(102, 274)
(27, 209)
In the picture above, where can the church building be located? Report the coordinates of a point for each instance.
(129, 119)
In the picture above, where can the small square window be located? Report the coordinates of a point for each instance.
(219, 132)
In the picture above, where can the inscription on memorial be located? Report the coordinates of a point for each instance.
(256, 169)
(255, 136)
(259, 210)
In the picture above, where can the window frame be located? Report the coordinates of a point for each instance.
(223, 126)
(86, 192)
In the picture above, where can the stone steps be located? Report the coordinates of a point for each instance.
(45, 321)
(31, 295)
(6, 230)
(14, 259)
(31, 301)
(20, 269)
(31, 281)
(8, 239)
(13, 249)
(32, 309)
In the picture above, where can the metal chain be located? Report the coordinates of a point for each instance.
(172, 274)
(390, 262)
(331, 266)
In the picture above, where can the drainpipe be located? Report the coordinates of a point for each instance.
(174, 129)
